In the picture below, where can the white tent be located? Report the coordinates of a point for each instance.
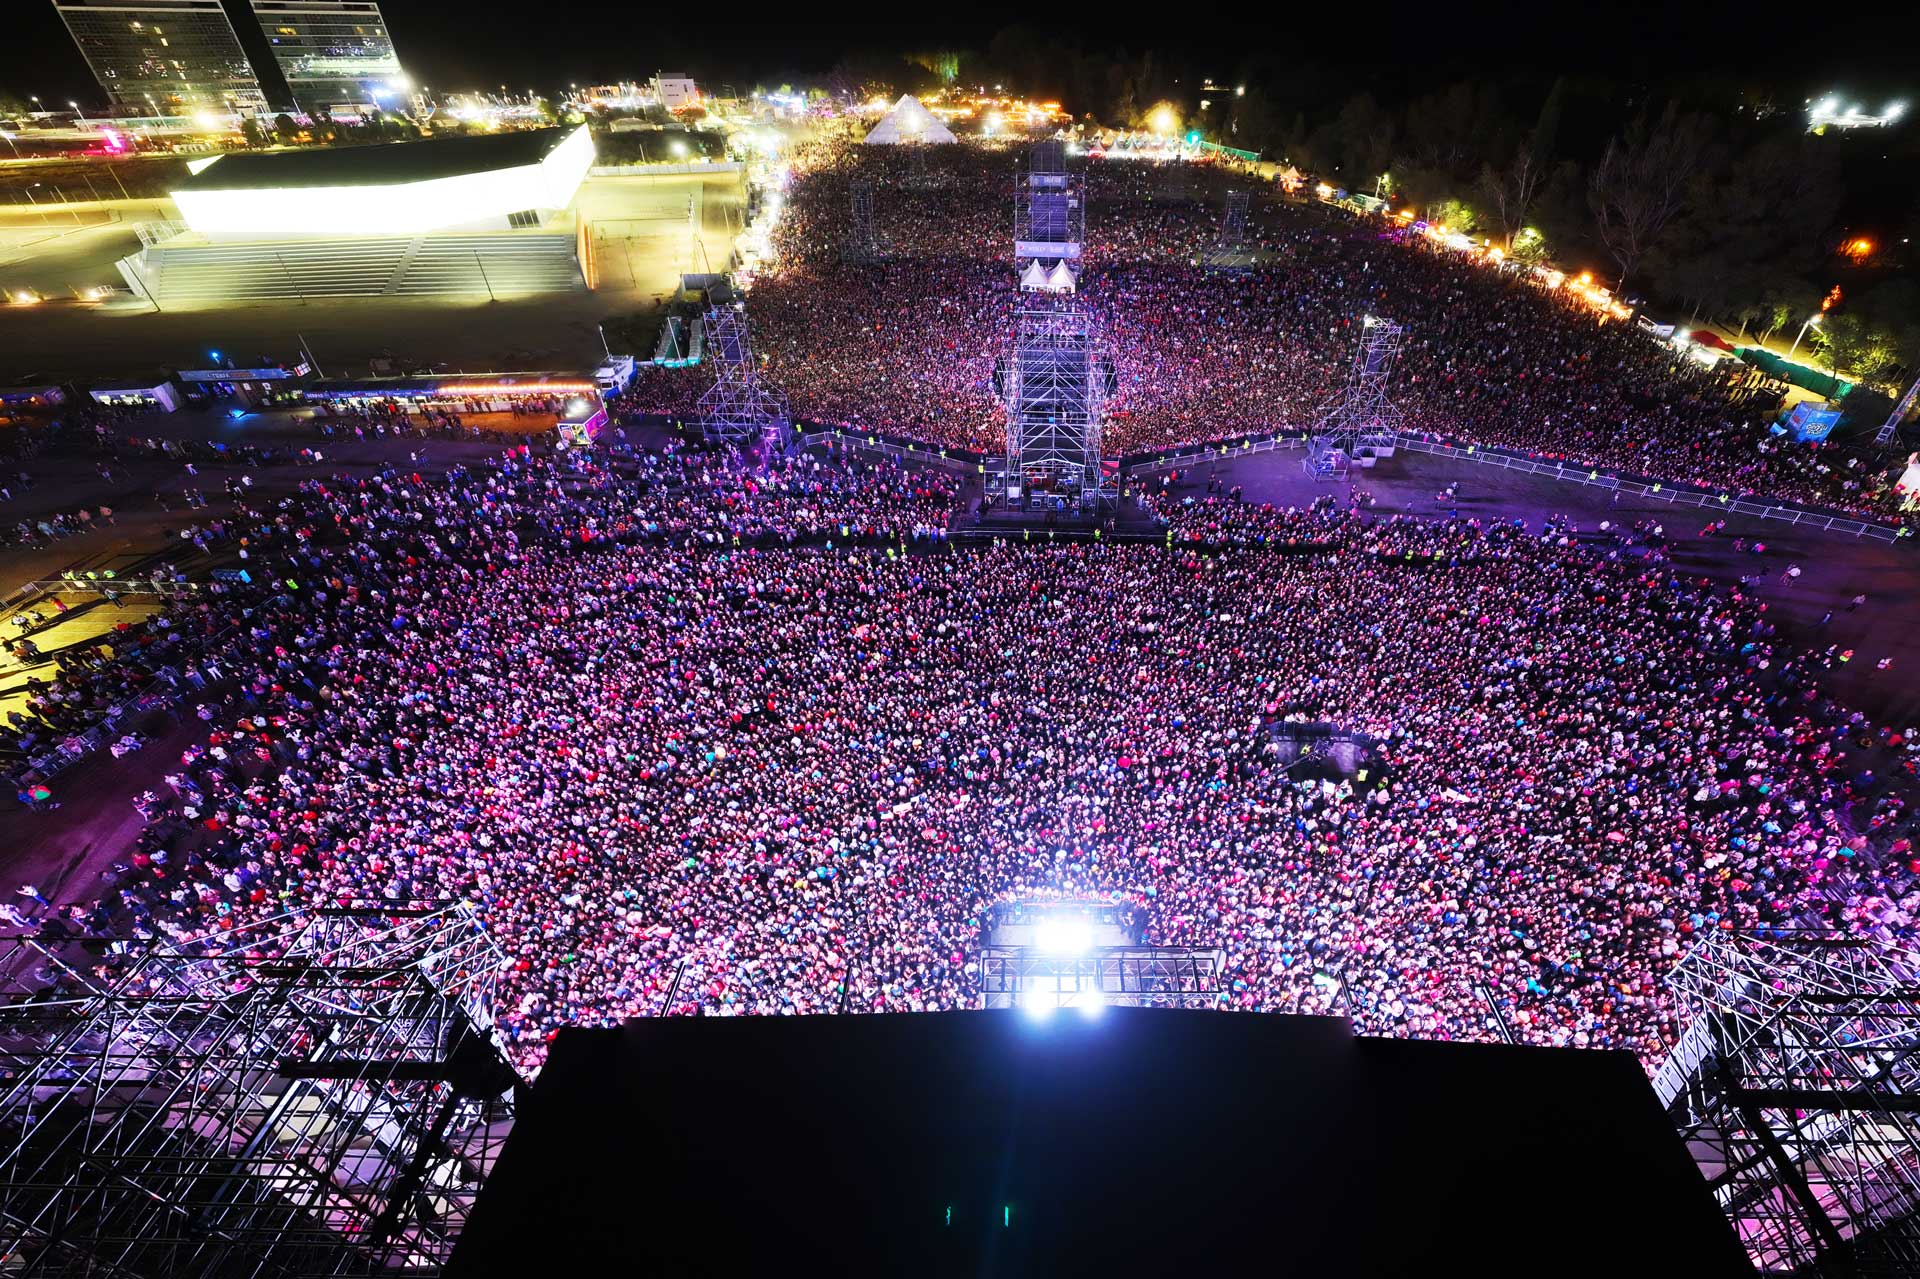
(1034, 277)
(908, 121)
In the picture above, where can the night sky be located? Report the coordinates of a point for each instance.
(1397, 50)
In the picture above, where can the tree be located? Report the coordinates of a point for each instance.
(1641, 184)
(286, 128)
(250, 129)
(1510, 192)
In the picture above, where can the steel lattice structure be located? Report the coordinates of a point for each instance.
(1796, 1083)
(1891, 427)
(1049, 211)
(318, 1095)
(1056, 392)
(1361, 415)
(863, 242)
(1229, 252)
(1133, 976)
(738, 407)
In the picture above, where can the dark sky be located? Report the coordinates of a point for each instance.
(1394, 47)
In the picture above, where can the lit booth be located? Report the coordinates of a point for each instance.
(146, 392)
(572, 402)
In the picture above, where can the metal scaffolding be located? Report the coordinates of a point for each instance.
(738, 407)
(1049, 217)
(1360, 416)
(1056, 384)
(1891, 427)
(1796, 1084)
(863, 242)
(317, 1095)
(1132, 976)
(1229, 250)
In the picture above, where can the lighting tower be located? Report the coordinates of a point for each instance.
(1229, 252)
(1360, 416)
(739, 408)
(862, 242)
(1891, 427)
(1049, 220)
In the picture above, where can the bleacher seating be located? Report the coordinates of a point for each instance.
(503, 264)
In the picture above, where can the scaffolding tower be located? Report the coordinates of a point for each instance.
(1360, 417)
(1049, 220)
(1891, 427)
(738, 408)
(862, 244)
(1229, 250)
(1056, 384)
(321, 1094)
(1796, 1084)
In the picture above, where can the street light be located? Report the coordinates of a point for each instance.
(1812, 321)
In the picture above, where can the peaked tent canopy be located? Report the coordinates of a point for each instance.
(909, 121)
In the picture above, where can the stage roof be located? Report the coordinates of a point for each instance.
(1139, 1141)
(386, 164)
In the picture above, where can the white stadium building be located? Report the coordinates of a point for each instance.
(488, 215)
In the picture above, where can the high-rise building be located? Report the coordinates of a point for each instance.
(335, 54)
(164, 57)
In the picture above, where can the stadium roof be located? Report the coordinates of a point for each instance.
(386, 164)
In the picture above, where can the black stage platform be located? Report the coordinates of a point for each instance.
(1138, 1142)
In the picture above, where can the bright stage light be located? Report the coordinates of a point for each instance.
(1037, 1005)
(1063, 936)
(1092, 1004)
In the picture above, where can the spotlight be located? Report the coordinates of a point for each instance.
(1036, 1005)
(1092, 1004)
(1063, 936)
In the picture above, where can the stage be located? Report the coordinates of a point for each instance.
(1131, 1141)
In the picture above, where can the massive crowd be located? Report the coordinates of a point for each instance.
(763, 739)
(910, 345)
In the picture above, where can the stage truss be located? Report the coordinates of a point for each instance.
(1049, 218)
(862, 244)
(738, 408)
(1131, 976)
(317, 1095)
(1056, 392)
(1229, 250)
(1360, 416)
(1796, 1084)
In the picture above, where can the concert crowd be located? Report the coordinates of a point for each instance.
(910, 345)
(693, 737)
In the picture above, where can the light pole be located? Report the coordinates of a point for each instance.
(11, 143)
(76, 109)
(1812, 320)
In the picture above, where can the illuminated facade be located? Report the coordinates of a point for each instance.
(335, 54)
(164, 57)
(504, 181)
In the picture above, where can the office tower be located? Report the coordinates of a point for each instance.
(335, 54)
(163, 57)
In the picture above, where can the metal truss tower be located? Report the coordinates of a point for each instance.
(1056, 385)
(1891, 427)
(1049, 220)
(863, 242)
(321, 1094)
(738, 407)
(1361, 415)
(1796, 1083)
(1229, 251)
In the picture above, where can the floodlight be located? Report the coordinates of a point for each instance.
(1092, 1003)
(1064, 936)
(1035, 1006)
